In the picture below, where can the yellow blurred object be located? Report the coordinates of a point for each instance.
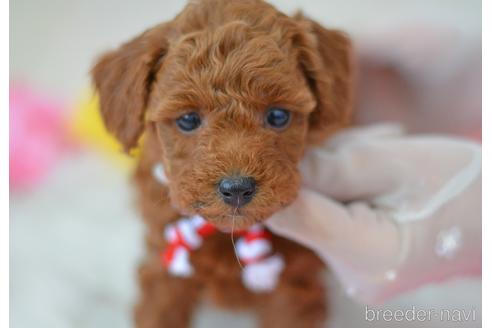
(88, 127)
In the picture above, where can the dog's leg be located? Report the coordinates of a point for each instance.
(300, 298)
(297, 302)
(165, 301)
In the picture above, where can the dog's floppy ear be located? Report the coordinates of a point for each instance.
(325, 57)
(123, 79)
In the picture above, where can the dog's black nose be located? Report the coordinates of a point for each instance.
(237, 191)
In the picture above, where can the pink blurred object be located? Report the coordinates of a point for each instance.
(37, 136)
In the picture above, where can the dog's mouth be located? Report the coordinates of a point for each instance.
(234, 218)
(222, 215)
(226, 217)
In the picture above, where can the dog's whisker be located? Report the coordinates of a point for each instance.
(232, 234)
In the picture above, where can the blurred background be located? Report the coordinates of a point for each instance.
(75, 237)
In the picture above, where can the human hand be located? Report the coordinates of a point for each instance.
(389, 212)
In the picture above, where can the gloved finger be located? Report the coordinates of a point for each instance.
(308, 219)
(374, 169)
(360, 169)
(333, 229)
(376, 131)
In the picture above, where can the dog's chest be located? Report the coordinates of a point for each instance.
(252, 249)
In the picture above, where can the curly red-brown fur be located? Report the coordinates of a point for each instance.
(229, 61)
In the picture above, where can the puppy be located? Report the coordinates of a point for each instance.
(227, 97)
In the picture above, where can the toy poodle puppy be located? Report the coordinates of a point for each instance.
(225, 98)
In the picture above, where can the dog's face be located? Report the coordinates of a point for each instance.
(233, 90)
(231, 111)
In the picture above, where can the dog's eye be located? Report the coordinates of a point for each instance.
(277, 117)
(188, 122)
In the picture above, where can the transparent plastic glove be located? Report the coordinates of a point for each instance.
(389, 212)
